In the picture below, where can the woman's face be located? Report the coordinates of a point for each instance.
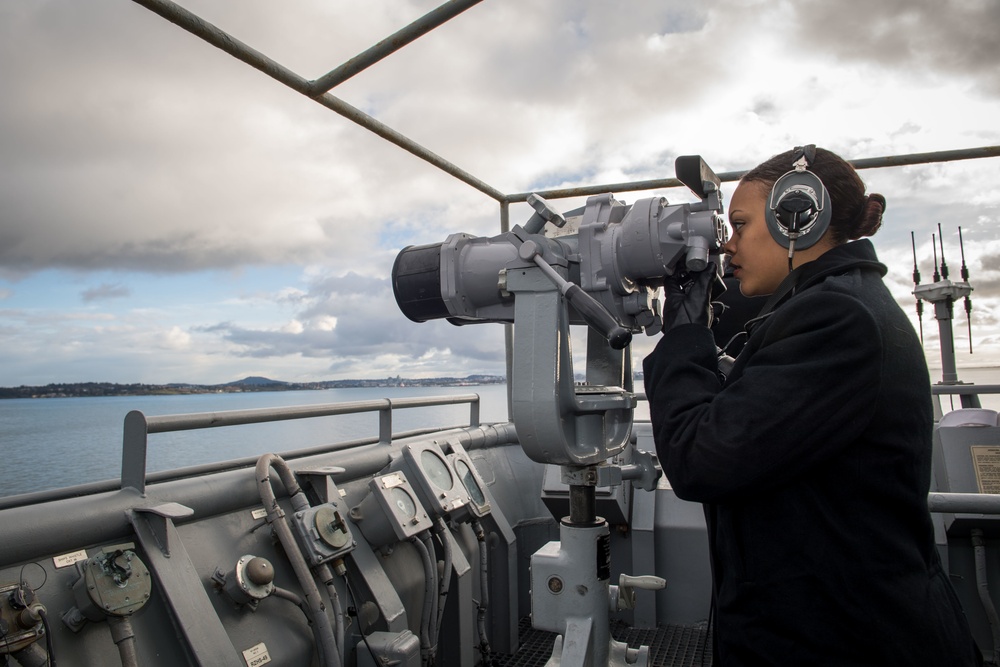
(759, 263)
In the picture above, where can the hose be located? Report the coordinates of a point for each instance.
(484, 595)
(445, 583)
(44, 616)
(432, 631)
(124, 638)
(291, 596)
(31, 655)
(326, 576)
(326, 641)
(429, 593)
(983, 584)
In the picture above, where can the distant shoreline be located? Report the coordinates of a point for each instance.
(250, 384)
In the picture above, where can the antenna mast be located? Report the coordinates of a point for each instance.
(943, 293)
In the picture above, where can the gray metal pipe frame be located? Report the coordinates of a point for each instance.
(159, 477)
(220, 39)
(964, 389)
(390, 45)
(36, 529)
(313, 89)
(964, 503)
(138, 426)
(730, 176)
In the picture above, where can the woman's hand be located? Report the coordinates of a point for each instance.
(688, 297)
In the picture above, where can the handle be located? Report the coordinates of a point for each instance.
(646, 582)
(599, 319)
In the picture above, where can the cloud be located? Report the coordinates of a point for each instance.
(347, 320)
(104, 291)
(942, 39)
(170, 157)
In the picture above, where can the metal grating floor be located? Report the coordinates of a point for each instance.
(669, 646)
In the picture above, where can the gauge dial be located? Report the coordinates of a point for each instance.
(469, 480)
(404, 502)
(437, 470)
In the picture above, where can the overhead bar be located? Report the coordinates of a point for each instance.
(729, 176)
(222, 40)
(389, 45)
(313, 89)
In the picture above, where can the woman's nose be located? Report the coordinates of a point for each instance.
(729, 247)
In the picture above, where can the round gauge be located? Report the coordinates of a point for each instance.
(437, 470)
(404, 502)
(469, 480)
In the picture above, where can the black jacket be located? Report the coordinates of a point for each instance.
(813, 460)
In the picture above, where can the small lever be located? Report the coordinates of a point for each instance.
(544, 212)
(593, 312)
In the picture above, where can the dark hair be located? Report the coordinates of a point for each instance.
(854, 214)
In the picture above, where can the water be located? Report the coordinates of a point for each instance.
(55, 442)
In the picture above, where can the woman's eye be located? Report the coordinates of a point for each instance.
(736, 225)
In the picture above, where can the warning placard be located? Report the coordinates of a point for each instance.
(986, 461)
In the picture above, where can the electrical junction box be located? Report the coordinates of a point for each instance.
(478, 505)
(322, 532)
(391, 512)
(433, 478)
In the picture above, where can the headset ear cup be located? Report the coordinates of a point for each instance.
(795, 210)
(798, 206)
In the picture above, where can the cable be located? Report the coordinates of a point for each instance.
(432, 630)
(354, 609)
(50, 658)
(124, 638)
(324, 633)
(325, 574)
(429, 594)
(484, 593)
(444, 584)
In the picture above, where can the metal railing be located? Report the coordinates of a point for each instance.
(138, 426)
(963, 503)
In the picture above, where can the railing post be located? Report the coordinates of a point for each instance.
(134, 439)
(385, 423)
(474, 411)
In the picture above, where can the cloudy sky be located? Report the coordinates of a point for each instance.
(168, 214)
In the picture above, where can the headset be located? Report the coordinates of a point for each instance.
(798, 208)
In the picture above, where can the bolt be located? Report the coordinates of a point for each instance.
(555, 585)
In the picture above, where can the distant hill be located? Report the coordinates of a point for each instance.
(254, 381)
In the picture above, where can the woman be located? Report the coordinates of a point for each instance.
(813, 455)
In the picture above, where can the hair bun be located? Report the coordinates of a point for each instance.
(870, 218)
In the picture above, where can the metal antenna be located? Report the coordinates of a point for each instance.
(944, 266)
(965, 277)
(937, 276)
(916, 282)
(961, 247)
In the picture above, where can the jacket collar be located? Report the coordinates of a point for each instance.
(836, 261)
